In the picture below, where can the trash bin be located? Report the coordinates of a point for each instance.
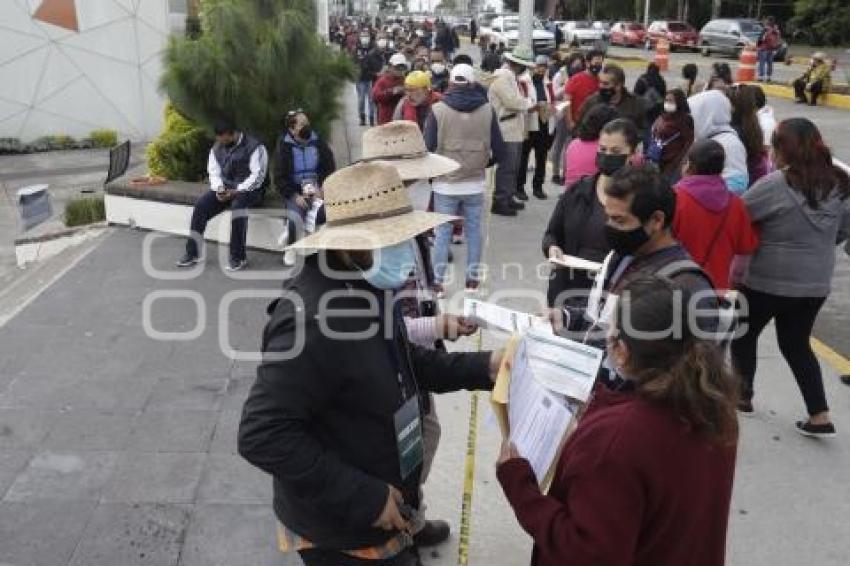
(34, 205)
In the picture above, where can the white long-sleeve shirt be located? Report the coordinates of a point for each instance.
(259, 166)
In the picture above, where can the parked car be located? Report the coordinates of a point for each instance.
(627, 34)
(729, 36)
(582, 34)
(506, 30)
(678, 35)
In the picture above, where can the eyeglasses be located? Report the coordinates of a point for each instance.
(293, 113)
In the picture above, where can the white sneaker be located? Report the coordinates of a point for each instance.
(289, 258)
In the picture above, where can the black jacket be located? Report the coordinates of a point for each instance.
(370, 61)
(321, 423)
(564, 230)
(283, 164)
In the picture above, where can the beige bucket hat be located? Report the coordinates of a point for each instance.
(401, 145)
(368, 207)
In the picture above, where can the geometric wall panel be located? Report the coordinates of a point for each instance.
(71, 66)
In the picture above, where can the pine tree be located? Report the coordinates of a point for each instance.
(254, 61)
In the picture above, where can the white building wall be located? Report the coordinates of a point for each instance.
(59, 81)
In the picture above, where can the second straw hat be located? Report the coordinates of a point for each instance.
(401, 145)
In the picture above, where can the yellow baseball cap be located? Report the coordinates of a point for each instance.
(418, 79)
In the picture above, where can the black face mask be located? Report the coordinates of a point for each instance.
(305, 132)
(626, 242)
(608, 163)
(606, 94)
(595, 69)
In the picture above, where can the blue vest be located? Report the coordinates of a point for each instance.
(235, 162)
(305, 159)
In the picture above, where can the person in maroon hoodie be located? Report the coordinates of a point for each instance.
(389, 88)
(646, 477)
(710, 221)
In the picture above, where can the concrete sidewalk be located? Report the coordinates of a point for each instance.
(117, 448)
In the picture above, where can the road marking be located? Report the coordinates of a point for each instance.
(836, 360)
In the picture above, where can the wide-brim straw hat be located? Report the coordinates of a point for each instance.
(367, 208)
(521, 56)
(401, 145)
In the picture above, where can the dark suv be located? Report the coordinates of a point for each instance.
(730, 36)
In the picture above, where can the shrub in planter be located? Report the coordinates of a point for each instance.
(84, 210)
(104, 138)
(180, 152)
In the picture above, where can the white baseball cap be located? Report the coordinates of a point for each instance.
(399, 59)
(462, 73)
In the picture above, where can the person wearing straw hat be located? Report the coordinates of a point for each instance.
(424, 322)
(512, 109)
(463, 127)
(816, 80)
(335, 412)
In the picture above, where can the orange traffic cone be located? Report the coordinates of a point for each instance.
(662, 54)
(747, 65)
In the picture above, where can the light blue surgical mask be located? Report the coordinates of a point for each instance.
(392, 266)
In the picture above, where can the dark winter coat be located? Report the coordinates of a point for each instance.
(284, 163)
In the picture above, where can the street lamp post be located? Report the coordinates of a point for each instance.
(322, 18)
(526, 23)
(646, 14)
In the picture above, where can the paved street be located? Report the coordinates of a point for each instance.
(119, 449)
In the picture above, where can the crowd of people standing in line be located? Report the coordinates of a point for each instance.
(674, 191)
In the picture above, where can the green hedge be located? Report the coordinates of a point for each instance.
(180, 152)
(104, 138)
(84, 210)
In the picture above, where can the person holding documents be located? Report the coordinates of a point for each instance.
(577, 225)
(336, 410)
(646, 477)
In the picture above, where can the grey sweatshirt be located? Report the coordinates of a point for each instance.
(796, 256)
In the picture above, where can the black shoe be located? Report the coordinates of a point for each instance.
(521, 195)
(539, 193)
(362, 121)
(503, 210)
(800, 101)
(816, 430)
(236, 265)
(433, 533)
(186, 261)
(557, 179)
(813, 103)
(845, 379)
(745, 407)
(371, 122)
(516, 205)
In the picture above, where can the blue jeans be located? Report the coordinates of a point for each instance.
(472, 209)
(296, 227)
(765, 64)
(365, 104)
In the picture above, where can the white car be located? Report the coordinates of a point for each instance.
(506, 30)
(584, 35)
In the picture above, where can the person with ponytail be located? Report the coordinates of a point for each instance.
(646, 477)
(802, 212)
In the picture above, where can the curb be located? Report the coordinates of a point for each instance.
(833, 100)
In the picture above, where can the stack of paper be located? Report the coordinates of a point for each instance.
(538, 389)
(574, 262)
(492, 316)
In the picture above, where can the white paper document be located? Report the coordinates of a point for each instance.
(538, 418)
(574, 262)
(489, 315)
(561, 365)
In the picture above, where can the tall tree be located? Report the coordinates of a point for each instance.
(254, 61)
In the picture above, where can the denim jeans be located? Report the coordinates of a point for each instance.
(208, 206)
(365, 104)
(765, 64)
(295, 229)
(472, 207)
(562, 138)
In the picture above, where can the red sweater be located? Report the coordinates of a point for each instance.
(632, 488)
(713, 224)
(384, 97)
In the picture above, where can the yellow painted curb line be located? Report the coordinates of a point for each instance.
(832, 100)
(836, 360)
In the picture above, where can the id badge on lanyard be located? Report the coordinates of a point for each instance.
(408, 434)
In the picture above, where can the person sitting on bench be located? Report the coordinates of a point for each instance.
(237, 168)
(815, 80)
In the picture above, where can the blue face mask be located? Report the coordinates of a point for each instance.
(392, 266)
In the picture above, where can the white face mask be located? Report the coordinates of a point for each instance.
(438, 68)
(670, 107)
(382, 43)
